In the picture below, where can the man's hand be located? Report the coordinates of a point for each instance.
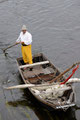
(19, 42)
(22, 42)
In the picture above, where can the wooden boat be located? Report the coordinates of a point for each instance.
(40, 73)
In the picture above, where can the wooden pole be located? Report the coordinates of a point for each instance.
(29, 86)
(19, 86)
(60, 75)
(23, 86)
(9, 47)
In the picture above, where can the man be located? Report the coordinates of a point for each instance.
(25, 38)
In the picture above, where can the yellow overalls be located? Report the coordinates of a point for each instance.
(27, 54)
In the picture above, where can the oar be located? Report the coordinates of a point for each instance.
(60, 75)
(9, 47)
(28, 86)
(19, 86)
(71, 80)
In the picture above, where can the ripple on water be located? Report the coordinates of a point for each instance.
(55, 26)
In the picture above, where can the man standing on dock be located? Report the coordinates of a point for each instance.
(25, 38)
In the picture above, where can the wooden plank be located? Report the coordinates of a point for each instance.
(28, 86)
(19, 86)
(36, 86)
(34, 64)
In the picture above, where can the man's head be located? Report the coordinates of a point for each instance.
(24, 29)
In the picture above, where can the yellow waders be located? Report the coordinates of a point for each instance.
(27, 54)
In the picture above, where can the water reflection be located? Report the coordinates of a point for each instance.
(42, 113)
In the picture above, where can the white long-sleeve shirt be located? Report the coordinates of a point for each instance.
(26, 38)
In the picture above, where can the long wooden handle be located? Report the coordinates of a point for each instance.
(19, 86)
(60, 75)
(72, 80)
(9, 47)
(27, 86)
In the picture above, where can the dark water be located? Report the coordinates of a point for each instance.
(55, 26)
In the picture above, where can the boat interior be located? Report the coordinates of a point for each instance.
(39, 74)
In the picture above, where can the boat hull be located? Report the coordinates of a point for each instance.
(27, 80)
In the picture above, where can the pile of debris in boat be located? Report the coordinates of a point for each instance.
(57, 95)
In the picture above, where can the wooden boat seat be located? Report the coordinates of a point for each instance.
(34, 64)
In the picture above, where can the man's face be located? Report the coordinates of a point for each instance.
(24, 31)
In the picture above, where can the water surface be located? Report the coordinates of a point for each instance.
(55, 26)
